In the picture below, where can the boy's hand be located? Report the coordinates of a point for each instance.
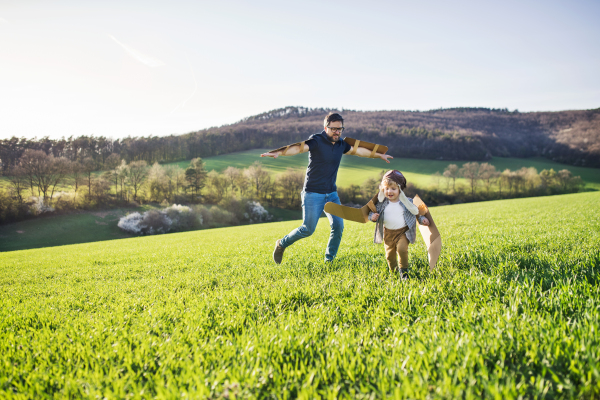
(425, 222)
(374, 217)
(274, 155)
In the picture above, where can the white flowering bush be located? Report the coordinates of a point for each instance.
(170, 219)
(39, 207)
(180, 218)
(256, 213)
(131, 223)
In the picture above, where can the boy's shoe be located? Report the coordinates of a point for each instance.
(403, 274)
(278, 252)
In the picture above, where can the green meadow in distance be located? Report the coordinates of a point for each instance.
(512, 310)
(355, 170)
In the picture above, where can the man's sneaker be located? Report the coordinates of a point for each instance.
(278, 252)
(403, 274)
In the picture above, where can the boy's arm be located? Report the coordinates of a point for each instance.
(289, 150)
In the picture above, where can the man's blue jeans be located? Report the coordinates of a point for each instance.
(312, 207)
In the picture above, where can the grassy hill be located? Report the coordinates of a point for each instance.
(512, 311)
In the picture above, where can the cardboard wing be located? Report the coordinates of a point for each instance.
(375, 148)
(284, 149)
(360, 215)
(355, 143)
(431, 234)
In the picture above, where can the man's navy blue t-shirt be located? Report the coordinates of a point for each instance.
(323, 163)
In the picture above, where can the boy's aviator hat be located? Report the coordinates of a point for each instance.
(396, 176)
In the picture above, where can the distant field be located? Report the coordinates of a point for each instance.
(512, 312)
(355, 170)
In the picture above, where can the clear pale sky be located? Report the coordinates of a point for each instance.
(119, 68)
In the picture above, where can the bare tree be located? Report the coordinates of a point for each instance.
(171, 179)
(531, 177)
(564, 176)
(33, 164)
(122, 173)
(58, 168)
(138, 170)
(242, 183)
(257, 175)
(43, 171)
(179, 179)
(100, 189)
(452, 172)
(507, 178)
(518, 179)
(487, 173)
(75, 175)
(290, 185)
(232, 174)
(548, 178)
(470, 171)
(18, 181)
(218, 183)
(88, 166)
(157, 182)
(111, 164)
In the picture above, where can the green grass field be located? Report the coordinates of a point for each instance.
(513, 311)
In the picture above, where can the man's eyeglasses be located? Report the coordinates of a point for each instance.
(340, 130)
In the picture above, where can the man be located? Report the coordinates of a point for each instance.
(325, 153)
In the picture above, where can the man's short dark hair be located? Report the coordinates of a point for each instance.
(332, 117)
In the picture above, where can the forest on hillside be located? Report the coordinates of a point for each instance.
(474, 134)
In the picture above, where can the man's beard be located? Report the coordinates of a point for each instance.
(333, 138)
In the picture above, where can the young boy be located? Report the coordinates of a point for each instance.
(396, 218)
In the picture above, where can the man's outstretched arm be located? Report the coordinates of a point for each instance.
(290, 150)
(363, 152)
(361, 148)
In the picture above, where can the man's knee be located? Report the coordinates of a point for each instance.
(307, 230)
(337, 225)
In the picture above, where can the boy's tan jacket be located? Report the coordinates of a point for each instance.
(431, 234)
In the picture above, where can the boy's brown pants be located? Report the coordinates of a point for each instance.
(395, 241)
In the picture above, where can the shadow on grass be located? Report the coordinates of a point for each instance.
(84, 227)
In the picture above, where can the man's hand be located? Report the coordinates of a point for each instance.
(425, 222)
(374, 217)
(385, 157)
(274, 155)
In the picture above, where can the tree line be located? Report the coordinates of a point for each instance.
(483, 182)
(40, 182)
(571, 137)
